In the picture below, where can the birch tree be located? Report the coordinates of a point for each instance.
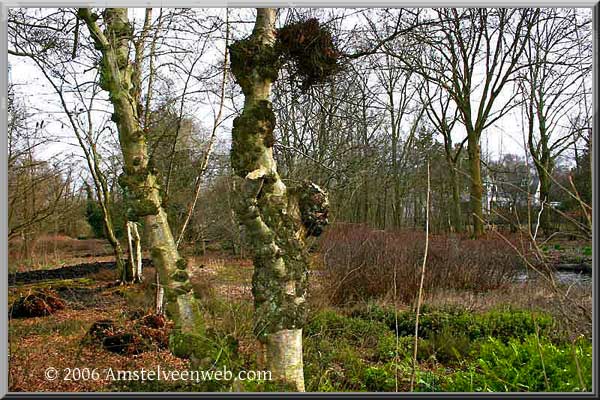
(139, 179)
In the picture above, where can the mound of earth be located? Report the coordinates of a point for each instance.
(148, 332)
(36, 303)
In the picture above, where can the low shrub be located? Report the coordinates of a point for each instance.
(361, 263)
(339, 349)
(457, 351)
(499, 323)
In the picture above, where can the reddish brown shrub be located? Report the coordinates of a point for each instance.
(361, 263)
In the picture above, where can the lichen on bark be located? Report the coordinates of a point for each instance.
(277, 220)
(139, 179)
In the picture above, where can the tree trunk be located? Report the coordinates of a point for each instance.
(545, 183)
(475, 184)
(159, 296)
(268, 209)
(457, 223)
(129, 270)
(134, 268)
(139, 177)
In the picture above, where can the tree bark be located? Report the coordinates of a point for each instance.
(133, 272)
(456, 209)
(272, 214)
(139, 177)
(476, 185)
(545, 184)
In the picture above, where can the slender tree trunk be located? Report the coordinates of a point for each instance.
(268, 209)
(134, 269)
(137, 243)
(109, 231)
(545, 184)
(159, 296)
(129, 271)
(456, 210)
(139, 178)
(476, 200)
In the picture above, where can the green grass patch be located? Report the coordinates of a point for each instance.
(457, 351)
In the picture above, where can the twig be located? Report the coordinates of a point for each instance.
(537, 336)
(211, 141)
(420, 297)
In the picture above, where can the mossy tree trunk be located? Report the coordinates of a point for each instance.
(272, 214)
(139, 180)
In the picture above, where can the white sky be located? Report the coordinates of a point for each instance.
(506, 136)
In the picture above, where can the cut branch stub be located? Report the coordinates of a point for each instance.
(313, 203)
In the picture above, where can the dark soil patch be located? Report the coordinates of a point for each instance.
(80, 298)
(68, 272)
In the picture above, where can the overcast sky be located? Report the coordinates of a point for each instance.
(33, 90)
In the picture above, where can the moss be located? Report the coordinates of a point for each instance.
(249, 57)
(144, 207)
(181, 264)
(250, 130)
(180, 276)
(184, 345)
(208, 350)
(186, 287)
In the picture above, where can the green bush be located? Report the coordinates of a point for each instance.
(378, 379)
(446, 347)
(526, 365)
(456, 321)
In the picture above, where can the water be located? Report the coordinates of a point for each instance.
(561, 277)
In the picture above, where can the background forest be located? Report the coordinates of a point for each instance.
(353, 199)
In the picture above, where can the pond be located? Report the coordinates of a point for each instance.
(562, 277)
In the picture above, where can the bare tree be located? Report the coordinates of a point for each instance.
(552, 84)
(277, 219)
(54, 63)
(463, 44)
